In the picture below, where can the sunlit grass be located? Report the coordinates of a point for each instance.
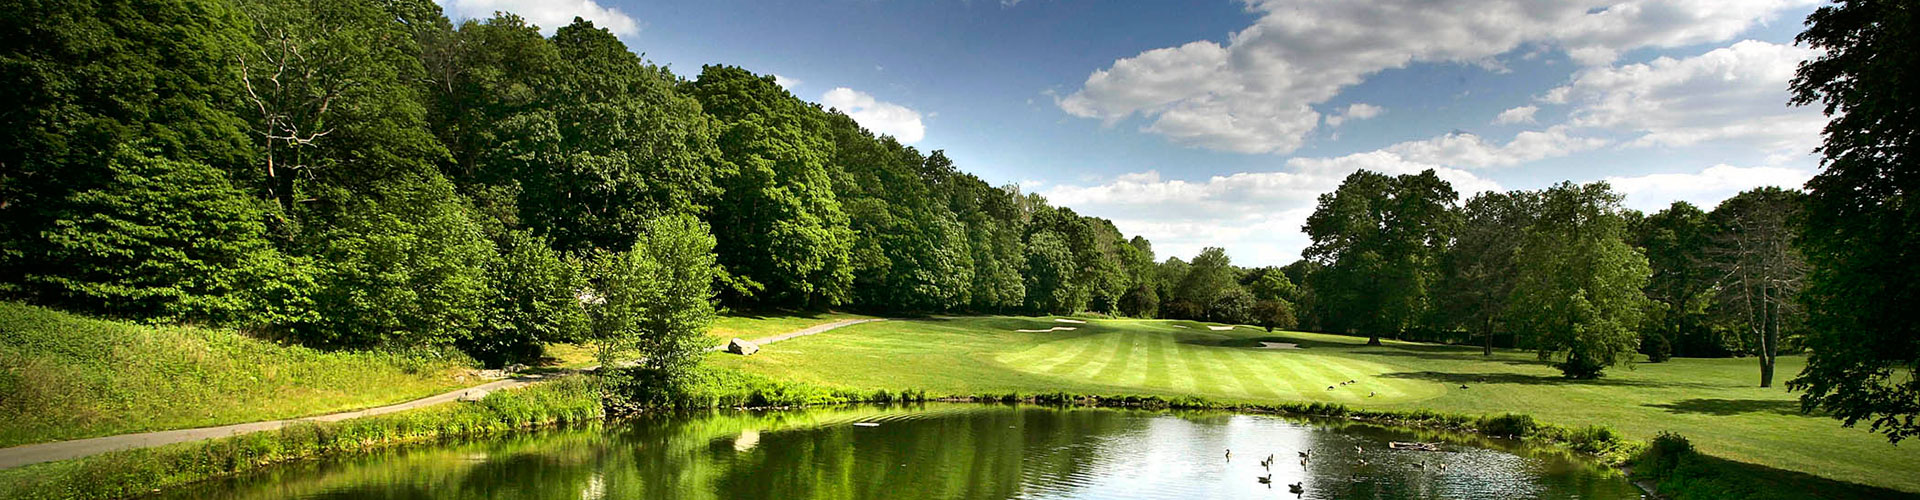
(1715, 402)
(67, 377)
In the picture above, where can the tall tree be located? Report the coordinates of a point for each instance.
(783, 235)
(1862, 211)
(1761, 273)
(1380, 239)
(1479, 271)
(1676, 240)
(1579, 285)
(1208, 277)
(81, 80)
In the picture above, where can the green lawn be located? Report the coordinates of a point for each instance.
(752, 326)
(67, 377)
(1711, 401)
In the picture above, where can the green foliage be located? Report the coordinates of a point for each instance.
(1051, 274)
(1206, 278)
(404, 267)
(1515, 425)
(1274, 313)
(533, 303)
(1579, 285)
(1233, 306)
(166, 240)
(82, 79)
(1479, 271)
(1862, 209)
(655, 298)
(1676, 241)
(643, 389)
(1380, 239)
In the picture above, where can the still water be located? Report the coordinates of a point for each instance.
(939, 451)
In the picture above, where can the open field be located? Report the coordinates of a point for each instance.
(67, 377)
(1711, 401)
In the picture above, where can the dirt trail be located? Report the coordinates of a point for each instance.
(65, 450)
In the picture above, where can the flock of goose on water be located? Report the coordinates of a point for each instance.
(1300, 487)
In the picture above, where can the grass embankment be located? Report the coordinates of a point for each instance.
(1752, 431)
(135, 472)
(68, 377)
(743, 325)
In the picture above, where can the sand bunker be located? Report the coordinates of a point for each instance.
(1054, 329)
(1219, 328)
(1074, 321)
(1279, 345)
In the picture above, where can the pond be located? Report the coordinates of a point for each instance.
(940, 451)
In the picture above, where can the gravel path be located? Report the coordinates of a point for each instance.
(64, 450)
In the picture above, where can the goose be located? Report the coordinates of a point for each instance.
(1296, 488)
(1305, 453)
(1357, 449)
(1329, 387)
(1229, 453)
(1267, 479)
(1369, 393)
(1363, 462)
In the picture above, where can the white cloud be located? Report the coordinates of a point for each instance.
(1256, 216)
(879, 116)
(1355, 111)
(1733, 93)
(1522, 114)
(1461, 149)
(547, 14)
(1706, 188)
(786, 82)
(1254, 94)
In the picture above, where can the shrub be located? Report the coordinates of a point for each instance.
(1509, 425)
(1662, 455)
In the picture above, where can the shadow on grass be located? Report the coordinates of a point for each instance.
(1730, 479)
(1469, 379)
(1726, 407)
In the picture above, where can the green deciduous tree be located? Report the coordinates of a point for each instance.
(533, 302)
(169, 240)
(1675, 240)
(1579, 285)
(656, 298)
(1380, 239)
(1479, 271)
(1862, 211)
(404, 266)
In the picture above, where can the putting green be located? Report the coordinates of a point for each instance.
(1225, 364)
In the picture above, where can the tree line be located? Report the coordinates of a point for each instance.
(368, 174)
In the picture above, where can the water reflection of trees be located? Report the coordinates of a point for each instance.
(939, 451)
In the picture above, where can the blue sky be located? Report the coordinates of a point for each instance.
(1217, 123)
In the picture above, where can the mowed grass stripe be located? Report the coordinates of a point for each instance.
(1155, 374)
(1180, 376)
(1237, 375)
(1101, 349)
(1121, 365)
(1198, 372)
(1044, 357)
(1288, 374)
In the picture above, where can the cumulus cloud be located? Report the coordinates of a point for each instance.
(547, 14)
(1461, 149)
(1355, 111)
(786, 82)
(879, 116)
(1522, 114)
(1254, 93)
(1256, 216)
(1733, 93)
(1706, 188)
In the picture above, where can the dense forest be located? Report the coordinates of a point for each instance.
(368, 174)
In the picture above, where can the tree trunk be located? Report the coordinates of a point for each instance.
(1488, 332)
(1769, 336)
(1373, 340)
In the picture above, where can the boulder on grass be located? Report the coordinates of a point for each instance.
(742, 347)
(471, 395)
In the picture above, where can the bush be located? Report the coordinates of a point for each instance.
(1657, 348)
(1509, 425)
(1662, 455)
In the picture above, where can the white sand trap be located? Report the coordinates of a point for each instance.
(1279, 345)
(1074, 321)
(1219, 328)
(1054, 329)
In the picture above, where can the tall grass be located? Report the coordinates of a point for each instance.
(68, 377)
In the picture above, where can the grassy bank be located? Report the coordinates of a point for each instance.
(68, 377)
(1712, 402)
(134, 472)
